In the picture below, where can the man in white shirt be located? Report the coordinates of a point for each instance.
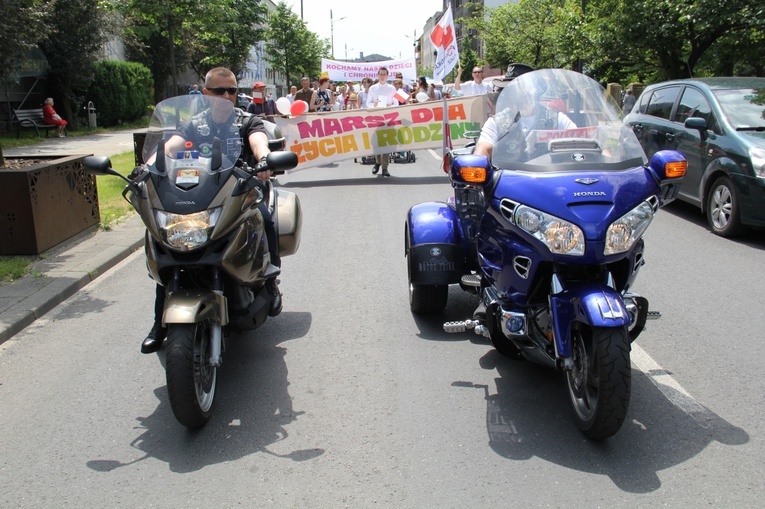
(380, 96)
(475, 87)
(291, 95)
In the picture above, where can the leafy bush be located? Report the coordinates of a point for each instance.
(121, 91)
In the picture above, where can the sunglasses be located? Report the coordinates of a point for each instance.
(223, 90)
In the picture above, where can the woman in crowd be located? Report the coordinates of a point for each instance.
(423, 87)
(323, 99)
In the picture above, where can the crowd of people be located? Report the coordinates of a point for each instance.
(324, 95)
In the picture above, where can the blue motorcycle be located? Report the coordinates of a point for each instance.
(548, 232)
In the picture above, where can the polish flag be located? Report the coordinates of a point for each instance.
(444, 40)
(401, 96)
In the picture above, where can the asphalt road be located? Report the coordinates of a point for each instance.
(348, 400)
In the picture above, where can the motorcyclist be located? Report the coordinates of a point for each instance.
(216, 122)
(525, 112)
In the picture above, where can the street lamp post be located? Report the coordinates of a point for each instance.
(414, 44)
(332, 31)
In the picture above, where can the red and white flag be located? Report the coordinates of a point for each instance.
(401, 96)
(444, 39)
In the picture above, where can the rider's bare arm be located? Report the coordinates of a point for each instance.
(483, 149)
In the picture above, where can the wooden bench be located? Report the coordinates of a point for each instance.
(32, 119)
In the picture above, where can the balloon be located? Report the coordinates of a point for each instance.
(283, 105)
(422, 97)
(299, 108)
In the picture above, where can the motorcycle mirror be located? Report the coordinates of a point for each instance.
(282, 160)
(97, 165)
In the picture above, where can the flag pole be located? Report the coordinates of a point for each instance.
(447, 145)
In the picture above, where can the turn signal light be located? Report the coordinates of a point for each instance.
(474, 174)
(675, 169)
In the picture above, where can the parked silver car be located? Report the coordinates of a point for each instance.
(719, 124)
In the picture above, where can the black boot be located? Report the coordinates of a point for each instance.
(275, 295)
(154, 339)
(385, 172)
(375, 169)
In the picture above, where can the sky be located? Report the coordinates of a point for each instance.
(385, 27)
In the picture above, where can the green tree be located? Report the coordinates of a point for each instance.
(291, 47)
(527, 31)
(666, 39)
(72, 46)
(468, 60)
(21, 26)
(225, 33)
(159, 35)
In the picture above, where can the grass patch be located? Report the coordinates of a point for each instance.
(110, 201)
(14, 267)
(113, 209)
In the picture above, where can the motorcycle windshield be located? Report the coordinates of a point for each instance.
(194, 133)
(560, 120)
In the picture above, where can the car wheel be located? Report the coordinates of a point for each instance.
(722, 209)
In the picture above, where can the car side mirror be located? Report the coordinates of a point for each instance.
(699, 124)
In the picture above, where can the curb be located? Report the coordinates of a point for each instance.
(68, 272)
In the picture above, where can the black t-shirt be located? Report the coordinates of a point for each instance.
(202, 129)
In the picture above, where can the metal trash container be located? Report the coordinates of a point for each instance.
(91, 115)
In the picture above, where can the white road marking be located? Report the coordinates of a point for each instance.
(435, 156)
(668, 386)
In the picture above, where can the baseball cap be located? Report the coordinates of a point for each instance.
(258, 84)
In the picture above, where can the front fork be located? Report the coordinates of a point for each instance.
(197, 305)
(593, 304)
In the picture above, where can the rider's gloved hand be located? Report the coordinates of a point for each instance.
(137, 171)
(263, 174)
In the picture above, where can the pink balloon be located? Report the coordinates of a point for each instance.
(299, 108)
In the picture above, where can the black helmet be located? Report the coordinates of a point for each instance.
(513, 71)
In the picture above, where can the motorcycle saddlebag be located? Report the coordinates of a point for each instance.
(289, 221)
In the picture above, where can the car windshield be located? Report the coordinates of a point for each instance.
(744, 108)
(561, 120)
(198, 131)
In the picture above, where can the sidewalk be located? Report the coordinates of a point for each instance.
(67, 268)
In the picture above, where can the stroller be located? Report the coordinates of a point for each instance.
(403, 157)
(396, 157)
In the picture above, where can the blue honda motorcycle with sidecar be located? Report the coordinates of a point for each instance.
(548, 233)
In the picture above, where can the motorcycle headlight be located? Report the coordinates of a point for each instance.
(626, 230)
(560, 237)
(185, 232)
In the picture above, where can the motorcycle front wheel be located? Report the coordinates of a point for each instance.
(599, 386)
(191, 380)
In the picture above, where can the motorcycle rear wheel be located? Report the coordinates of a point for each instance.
(427, 299)
(191, 380)
(599, 386)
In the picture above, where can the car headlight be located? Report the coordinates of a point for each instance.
(626, 230)
(185, 232)
(560, 237)
(758, 161)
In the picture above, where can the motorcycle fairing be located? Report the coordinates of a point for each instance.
(178, 200)
(595, 305)
(592, 207)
